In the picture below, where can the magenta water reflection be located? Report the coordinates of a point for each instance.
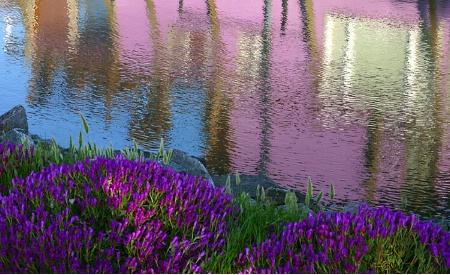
(354, 92)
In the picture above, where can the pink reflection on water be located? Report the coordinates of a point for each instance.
(274, 117)
(134, 37)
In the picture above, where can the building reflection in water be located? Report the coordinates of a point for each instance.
(341, 91)
(388, 85)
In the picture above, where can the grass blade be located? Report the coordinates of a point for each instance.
(332, 192)
(85, 125)
(238, 179)
(309, 192)
(319, 197)
(80, 140)
(228, 185)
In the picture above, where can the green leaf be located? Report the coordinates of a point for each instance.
(71, 144)
(228, 185)
(169, 155)
(404, 201)
(310, 188)
(161, 147)
(85, 125)
(80, 140)
(332, 192)
(287, 198)
(54, 146)
(294, 198)
(258, 192)
(309, 191)
(110, 151)
(25, 142)
(319, 197)
(238, 179)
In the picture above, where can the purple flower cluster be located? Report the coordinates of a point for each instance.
(12, 158)
(111, 216)
(341, 243)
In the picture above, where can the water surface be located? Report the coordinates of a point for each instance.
(354, 92)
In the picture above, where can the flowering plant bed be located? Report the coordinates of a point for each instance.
(110, 215)
(374, 240)
(115, 215)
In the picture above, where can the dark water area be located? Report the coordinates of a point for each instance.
(353, 92)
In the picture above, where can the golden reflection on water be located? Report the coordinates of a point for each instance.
(351, 93)
(155, 114)
(218, 103)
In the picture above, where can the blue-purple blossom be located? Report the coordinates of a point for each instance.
(339, 242)
(109, 216)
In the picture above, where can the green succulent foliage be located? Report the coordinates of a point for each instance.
(309, 193)
(85, 125)
(228, 186)
(332, 192)
(238, 179)
(319, 197)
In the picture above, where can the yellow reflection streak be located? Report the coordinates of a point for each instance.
(73, 35)
(157, 111)
(28, 9)
(218, 105)
(112, 72)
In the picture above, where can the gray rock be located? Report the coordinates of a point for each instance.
(37, 139)
(352, 207)
(181, 162)
(18, 136)
(14, 118)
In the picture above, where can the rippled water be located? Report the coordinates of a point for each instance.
(354, 92)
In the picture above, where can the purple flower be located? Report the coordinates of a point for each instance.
(434, 250)
(349, 268)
